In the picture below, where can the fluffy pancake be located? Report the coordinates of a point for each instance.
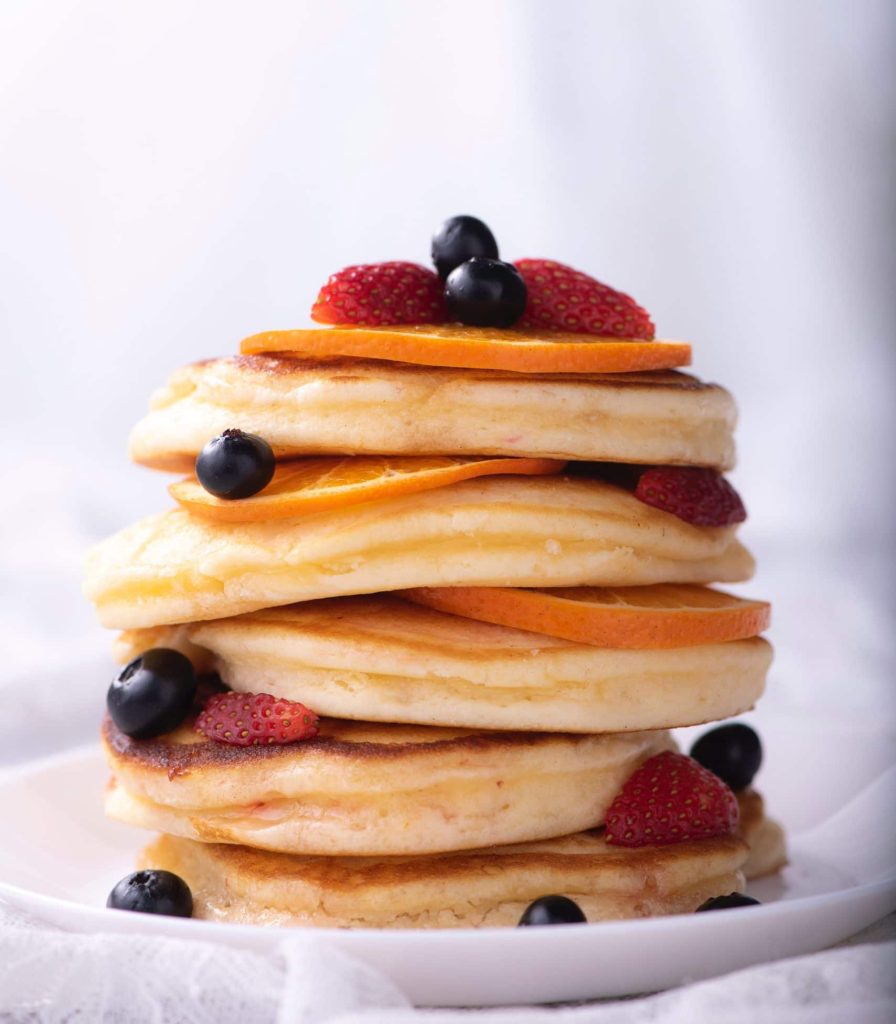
(314, 407)
(764, 836)
(502, 531)
(473, 889)
(362, 789)
(382, 659)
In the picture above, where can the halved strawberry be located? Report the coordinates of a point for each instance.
(374, 294)
(699, 496)
(563, 299)
(671, 799)
(255, 719)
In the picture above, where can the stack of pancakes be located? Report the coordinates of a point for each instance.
(463, 769)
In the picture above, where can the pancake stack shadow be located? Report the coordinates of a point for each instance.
(465, 763)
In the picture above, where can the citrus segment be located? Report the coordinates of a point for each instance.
(318, 484)
(659, 616)
(477, 348)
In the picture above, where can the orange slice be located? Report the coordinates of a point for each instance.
(664, 615)
(317, 484)
(476, 348)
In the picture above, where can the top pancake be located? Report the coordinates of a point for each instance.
(354, 406)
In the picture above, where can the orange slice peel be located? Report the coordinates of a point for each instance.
(318, 484)
(662, 616)
(475, 348)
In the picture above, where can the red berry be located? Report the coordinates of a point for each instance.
(381, 293)
(699, 496)
(671, 799)
(563, 299)
(255, 719)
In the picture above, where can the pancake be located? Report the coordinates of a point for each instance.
(764, 836)
(345, 406)
(383, 659)
(487, 887)
(499, 531)
(362, 789)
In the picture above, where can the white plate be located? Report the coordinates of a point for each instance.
(65, 855)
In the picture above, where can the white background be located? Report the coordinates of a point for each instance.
(176, 175)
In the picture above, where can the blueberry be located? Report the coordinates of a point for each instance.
(733, 752)
(460, 239)
(552, 910)
(485, 293)
(152, 694)
(733, 899)
(235, 465)
(153, 892)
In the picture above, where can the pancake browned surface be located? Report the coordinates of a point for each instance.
(360, 788)
(474, 889)
(503, 531)
(345, 406)
(382, 659)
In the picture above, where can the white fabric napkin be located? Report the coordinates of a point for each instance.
(54, 977)
(50, 977)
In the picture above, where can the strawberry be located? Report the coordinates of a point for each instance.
(255, 719)
(381, 293)
(671, 799)
(699, 496)
(564, 299)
